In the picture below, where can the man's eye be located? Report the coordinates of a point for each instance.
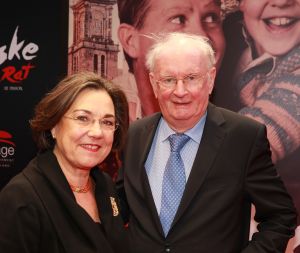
(178, 20)
(190, 78)
(212, 18)
(169, 80)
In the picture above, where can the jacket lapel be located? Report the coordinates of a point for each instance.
(142, 181)
(66, 216)
(212, 138)
(141, 147)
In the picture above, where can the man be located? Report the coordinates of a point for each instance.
(138, 19)
(225, 164)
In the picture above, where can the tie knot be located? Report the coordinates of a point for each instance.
(177, 141)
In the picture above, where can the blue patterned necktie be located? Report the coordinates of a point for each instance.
(173, 182)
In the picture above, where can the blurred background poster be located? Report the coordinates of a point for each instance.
(256, 43)
(33, 57)
(257, 49)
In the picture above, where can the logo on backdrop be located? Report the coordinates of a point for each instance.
(7, 150)
(15, 62)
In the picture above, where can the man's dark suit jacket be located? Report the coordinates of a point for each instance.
(232, 169)
(38, 213)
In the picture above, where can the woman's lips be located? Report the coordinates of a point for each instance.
(91, 147)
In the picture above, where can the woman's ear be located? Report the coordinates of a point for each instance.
(53, 133)
(129, 38)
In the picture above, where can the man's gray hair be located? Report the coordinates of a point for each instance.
(167, 41)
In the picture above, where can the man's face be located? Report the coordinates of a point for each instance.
(182, 105)
(274, 25)
(201, 17)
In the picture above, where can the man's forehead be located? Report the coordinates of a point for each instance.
(176, 52)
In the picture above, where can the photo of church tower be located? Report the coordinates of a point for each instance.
(92, 47)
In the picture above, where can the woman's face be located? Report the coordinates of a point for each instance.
(83, 145)
(273, 24)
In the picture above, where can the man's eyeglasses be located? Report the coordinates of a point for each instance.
(86, 120)
(190, 81)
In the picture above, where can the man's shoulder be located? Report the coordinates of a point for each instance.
(145, 121)
(233, 118)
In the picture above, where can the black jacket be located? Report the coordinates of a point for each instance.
(232, 169)
(38, 213)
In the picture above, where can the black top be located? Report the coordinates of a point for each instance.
(101, 227)
(39, 213)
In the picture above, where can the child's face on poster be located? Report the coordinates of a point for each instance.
(191, 16)
(273, 24)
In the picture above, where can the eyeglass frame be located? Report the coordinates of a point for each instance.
(198, 76)
(89, 123)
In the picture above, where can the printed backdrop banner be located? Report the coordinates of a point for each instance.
(41, 41)
(33, 57)
(259, 75)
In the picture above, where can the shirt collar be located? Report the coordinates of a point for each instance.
(195, 133)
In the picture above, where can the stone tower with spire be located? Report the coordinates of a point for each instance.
(92, 47)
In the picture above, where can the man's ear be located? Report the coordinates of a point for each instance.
(153, 83)
(129, 38)
(211, 79)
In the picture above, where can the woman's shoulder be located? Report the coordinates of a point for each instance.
(19, 189)
(17, 196)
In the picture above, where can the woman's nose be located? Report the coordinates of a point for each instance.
(95, 129)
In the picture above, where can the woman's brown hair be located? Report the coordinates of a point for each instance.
(56, 103)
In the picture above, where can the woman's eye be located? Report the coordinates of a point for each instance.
(108, 123)
(178, 20)
(82, 118)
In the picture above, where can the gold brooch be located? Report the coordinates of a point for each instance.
(114, 206)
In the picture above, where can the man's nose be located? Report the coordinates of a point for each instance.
(180, 88)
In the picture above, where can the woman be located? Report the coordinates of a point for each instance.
(62, 202)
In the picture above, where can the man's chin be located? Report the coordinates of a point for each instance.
(182, 115)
